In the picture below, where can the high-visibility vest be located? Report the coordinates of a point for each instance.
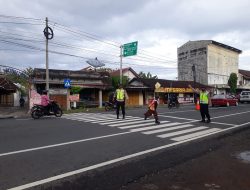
(120, 95)
(203, 97)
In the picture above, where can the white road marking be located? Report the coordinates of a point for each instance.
(154, 127)
(167, 129)
(122, 121)
(231, 114)
(181, 138)
(128, 123)
(62, 144)
(82, 170)
(179, 118)
(139, 125)
(181, 132)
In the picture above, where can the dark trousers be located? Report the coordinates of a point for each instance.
(151, 112)
(204, 111)
(122, 106)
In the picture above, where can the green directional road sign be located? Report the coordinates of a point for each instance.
(130, 49)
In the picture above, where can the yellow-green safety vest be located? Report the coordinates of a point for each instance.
(120, 94)
(203, 97)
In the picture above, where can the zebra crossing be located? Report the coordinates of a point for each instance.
(175, 131)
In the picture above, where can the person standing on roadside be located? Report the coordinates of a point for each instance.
(152, 110)
(120, 96)
(204, 103)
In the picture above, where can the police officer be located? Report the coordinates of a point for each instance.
(204, 102)
(120, 96)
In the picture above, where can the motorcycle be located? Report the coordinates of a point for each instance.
(173, 104)
(38, 111)
(110, 106)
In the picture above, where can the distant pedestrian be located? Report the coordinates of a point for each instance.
(21, 102)
(204, 103)
(152, 110)
(120, 96)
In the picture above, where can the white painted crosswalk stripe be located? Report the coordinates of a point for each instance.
(122, 121)
(140, 125)
(167, 129)
(181, 132)
(192, 135)
(154, 127)
(175, 131)
(128, 123)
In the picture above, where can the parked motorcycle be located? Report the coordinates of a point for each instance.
(173, 104)
(38, 111)
(110, 106)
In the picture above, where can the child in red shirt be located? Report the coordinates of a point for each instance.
(152, 110)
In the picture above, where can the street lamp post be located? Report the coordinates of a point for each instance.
(194, 75)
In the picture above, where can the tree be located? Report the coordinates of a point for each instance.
(232, 82)
(116, 81)
(147, 76)
(75, 89)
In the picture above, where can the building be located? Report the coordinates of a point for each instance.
(244, 80)
(95, 85)
(141, 90)
(7, 92)
(207, 62)
(127, 72)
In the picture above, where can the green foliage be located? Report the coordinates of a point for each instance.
(147, 76)
(116, 81)
(232, 82)
(75, 89)
(21, 77)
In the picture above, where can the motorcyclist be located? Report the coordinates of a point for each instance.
(45, 101)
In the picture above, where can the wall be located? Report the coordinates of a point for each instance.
(193, 53)
(61, 100)
(133, 98)
(221, 63)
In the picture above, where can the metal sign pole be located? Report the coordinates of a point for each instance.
(121, 47)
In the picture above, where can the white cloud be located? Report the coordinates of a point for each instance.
(159, 26)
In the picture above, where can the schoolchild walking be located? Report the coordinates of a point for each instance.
(152, 110)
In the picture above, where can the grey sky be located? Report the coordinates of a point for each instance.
(159, 26)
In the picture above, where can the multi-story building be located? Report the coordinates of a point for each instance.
(207, 62)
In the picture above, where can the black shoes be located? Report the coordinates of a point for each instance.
(123, 117)
(203, 121)
(117, 117)
(157, 122)
(145, 117)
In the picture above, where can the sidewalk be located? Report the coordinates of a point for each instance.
(13, 112)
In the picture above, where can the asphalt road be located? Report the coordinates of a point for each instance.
(97, 151)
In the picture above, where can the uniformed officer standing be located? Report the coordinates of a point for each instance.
(120, 96)
(204, 102)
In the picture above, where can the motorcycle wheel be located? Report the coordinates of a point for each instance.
(36, 114)
(58, 112)
(107, 108)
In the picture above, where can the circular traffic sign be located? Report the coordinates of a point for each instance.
(48, 33)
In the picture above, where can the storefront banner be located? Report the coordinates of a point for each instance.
(174, 90)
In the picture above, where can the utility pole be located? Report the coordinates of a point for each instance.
(48, 33)
(194, 75)
(121, 48)
(47, 56)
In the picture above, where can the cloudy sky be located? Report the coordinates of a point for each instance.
(85, 29)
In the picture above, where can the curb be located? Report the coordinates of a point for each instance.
(7, 117)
